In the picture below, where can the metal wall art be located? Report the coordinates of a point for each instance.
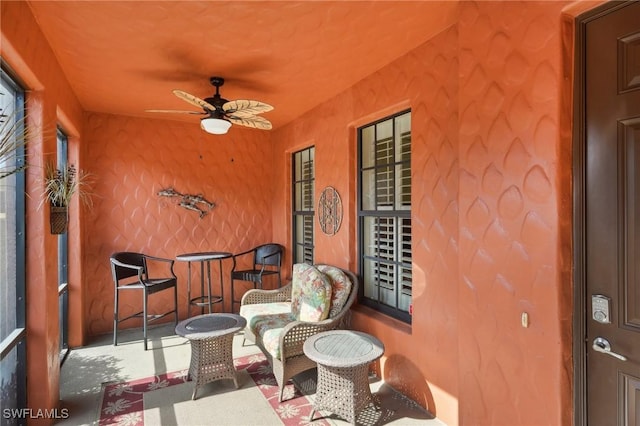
(330, 211)
(196, 202)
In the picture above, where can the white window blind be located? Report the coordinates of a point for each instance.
(303, 213)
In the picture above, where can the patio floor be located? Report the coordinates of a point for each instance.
(86, 370)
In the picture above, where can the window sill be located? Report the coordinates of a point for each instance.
(382, 318)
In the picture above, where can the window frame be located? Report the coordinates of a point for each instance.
(304, 212)
(400, 216)
(63, 257)
(16, 339)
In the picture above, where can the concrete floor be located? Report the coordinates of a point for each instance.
(87, 368)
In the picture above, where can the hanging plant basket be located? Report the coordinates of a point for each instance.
(59, 219)
(59, 187)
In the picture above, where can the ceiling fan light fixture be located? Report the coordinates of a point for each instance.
(215, 126)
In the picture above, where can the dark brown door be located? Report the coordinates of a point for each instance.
(613, 217)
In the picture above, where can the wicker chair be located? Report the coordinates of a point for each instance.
(292, 359)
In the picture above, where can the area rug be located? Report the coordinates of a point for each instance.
(123, 403)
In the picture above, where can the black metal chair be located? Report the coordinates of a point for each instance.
(267, 260)
(131, 272)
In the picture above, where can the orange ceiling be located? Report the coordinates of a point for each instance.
(123, 57)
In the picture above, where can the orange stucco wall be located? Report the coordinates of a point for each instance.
(132, 159)
(486, 208)
(510, 196)
(491, 180)
(50, 101)
(426, 81)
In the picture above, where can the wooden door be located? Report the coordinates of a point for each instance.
(612, 191)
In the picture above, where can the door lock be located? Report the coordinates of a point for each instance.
(601, 308)
(600, 344)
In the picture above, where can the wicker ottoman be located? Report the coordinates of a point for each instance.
(211, 338)
(343, 358)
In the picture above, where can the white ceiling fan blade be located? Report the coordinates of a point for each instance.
(193, 100)
(253, 121)
(245, 107)
(176, 111)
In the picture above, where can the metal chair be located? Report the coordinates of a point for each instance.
(131, 272)
(267, 260)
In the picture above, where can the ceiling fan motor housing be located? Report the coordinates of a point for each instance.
(217, 101)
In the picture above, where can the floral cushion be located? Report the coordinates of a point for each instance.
(341, 287)
(252, 312)
(310, 293)
(269, 328)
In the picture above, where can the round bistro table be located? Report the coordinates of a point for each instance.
(211, 338)
(343, 358)
(204, 257)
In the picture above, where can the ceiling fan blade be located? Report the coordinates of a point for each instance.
(253, 121)
(245, 107)
(177, 111)
(193, 100)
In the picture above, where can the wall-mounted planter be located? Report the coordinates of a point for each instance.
(59, 219)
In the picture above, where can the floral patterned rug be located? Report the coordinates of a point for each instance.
(123, 404)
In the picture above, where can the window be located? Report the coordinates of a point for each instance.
(384, 211)
(303, 209)
(12, 248)
(63, 259)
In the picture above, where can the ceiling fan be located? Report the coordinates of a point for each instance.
(220, 113)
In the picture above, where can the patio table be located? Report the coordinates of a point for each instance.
(204, 258)
(211, 338)
(343, 358)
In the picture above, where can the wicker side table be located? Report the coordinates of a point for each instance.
(211, 338)
(343, 358)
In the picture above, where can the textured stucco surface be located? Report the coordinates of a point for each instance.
(131, 159)
(487, 164)
(425, 80)
(510, 75)
(34, 62)
(486, 188)
(290, 54)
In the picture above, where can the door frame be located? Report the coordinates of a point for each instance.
(580, 314)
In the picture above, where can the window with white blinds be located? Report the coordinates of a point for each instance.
(303, 207)
(385, 215)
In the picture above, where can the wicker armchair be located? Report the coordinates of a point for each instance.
(290, 358)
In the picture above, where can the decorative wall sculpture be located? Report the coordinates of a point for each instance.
(330, 211)
(196, 202)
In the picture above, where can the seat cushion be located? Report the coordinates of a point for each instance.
(310, 293)
(340, 287)
(251, 312)
(268, 328)
(155, 285)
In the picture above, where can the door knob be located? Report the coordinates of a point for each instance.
(600, 344)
